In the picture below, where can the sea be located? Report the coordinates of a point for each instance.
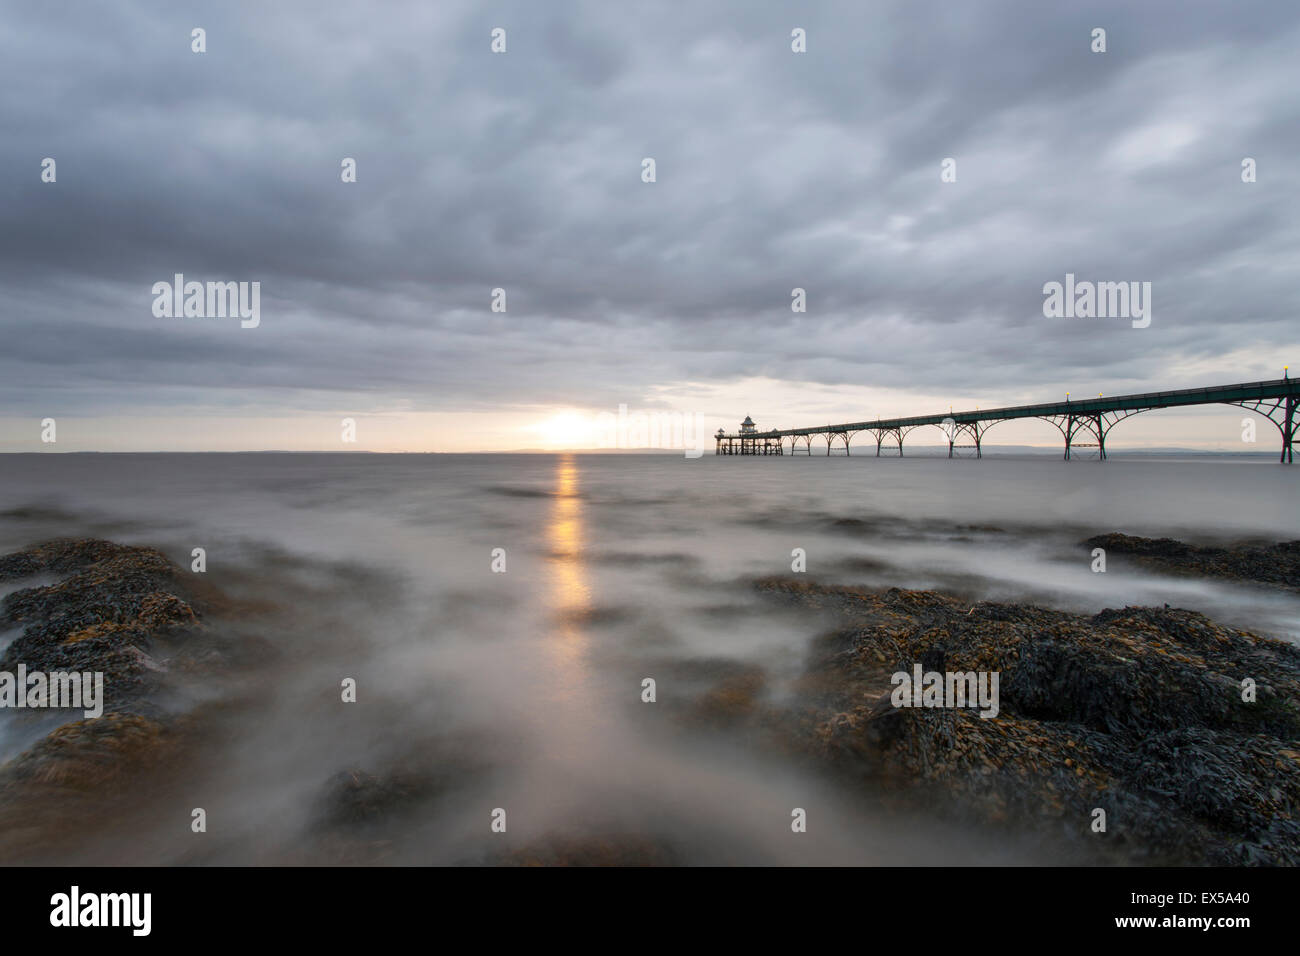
(499, 616)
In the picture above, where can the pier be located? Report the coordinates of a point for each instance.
(1083, 423)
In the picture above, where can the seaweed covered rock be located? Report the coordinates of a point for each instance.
(365, 815)
(129, 614)
(112, 603)
(89, 756)
(355, 798)
(76, 777)
(1186, 733)
(1274, 564)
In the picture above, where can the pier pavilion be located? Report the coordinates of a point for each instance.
(749, 441)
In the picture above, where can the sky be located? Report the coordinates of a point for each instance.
(524, 171)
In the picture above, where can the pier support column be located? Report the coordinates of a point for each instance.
(1288, 427)
(965, 428)
(1075, 425)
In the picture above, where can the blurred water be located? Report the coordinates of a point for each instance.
(618, 567)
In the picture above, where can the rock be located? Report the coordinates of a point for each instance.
(1137, 711)
(106, 614)
(88, 756)
(1275, 564)
(120, 610)
(355, 798)
(62, 790)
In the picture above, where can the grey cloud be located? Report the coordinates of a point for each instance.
(522, 171)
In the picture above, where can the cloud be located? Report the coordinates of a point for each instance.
(522, 171)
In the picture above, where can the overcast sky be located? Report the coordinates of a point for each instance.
(523, 171)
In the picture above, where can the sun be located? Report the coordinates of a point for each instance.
(565, 430)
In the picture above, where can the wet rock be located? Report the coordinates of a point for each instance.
(355, 798)
(1136, 711)
(365, 816)
(81, 781)
(1273, 564)
(1216, 778)
(88, 756)
(114, 603)
(126, 612)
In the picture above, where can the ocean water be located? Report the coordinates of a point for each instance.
(525, 686)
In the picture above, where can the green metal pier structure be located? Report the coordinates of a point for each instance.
(1083, 424)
